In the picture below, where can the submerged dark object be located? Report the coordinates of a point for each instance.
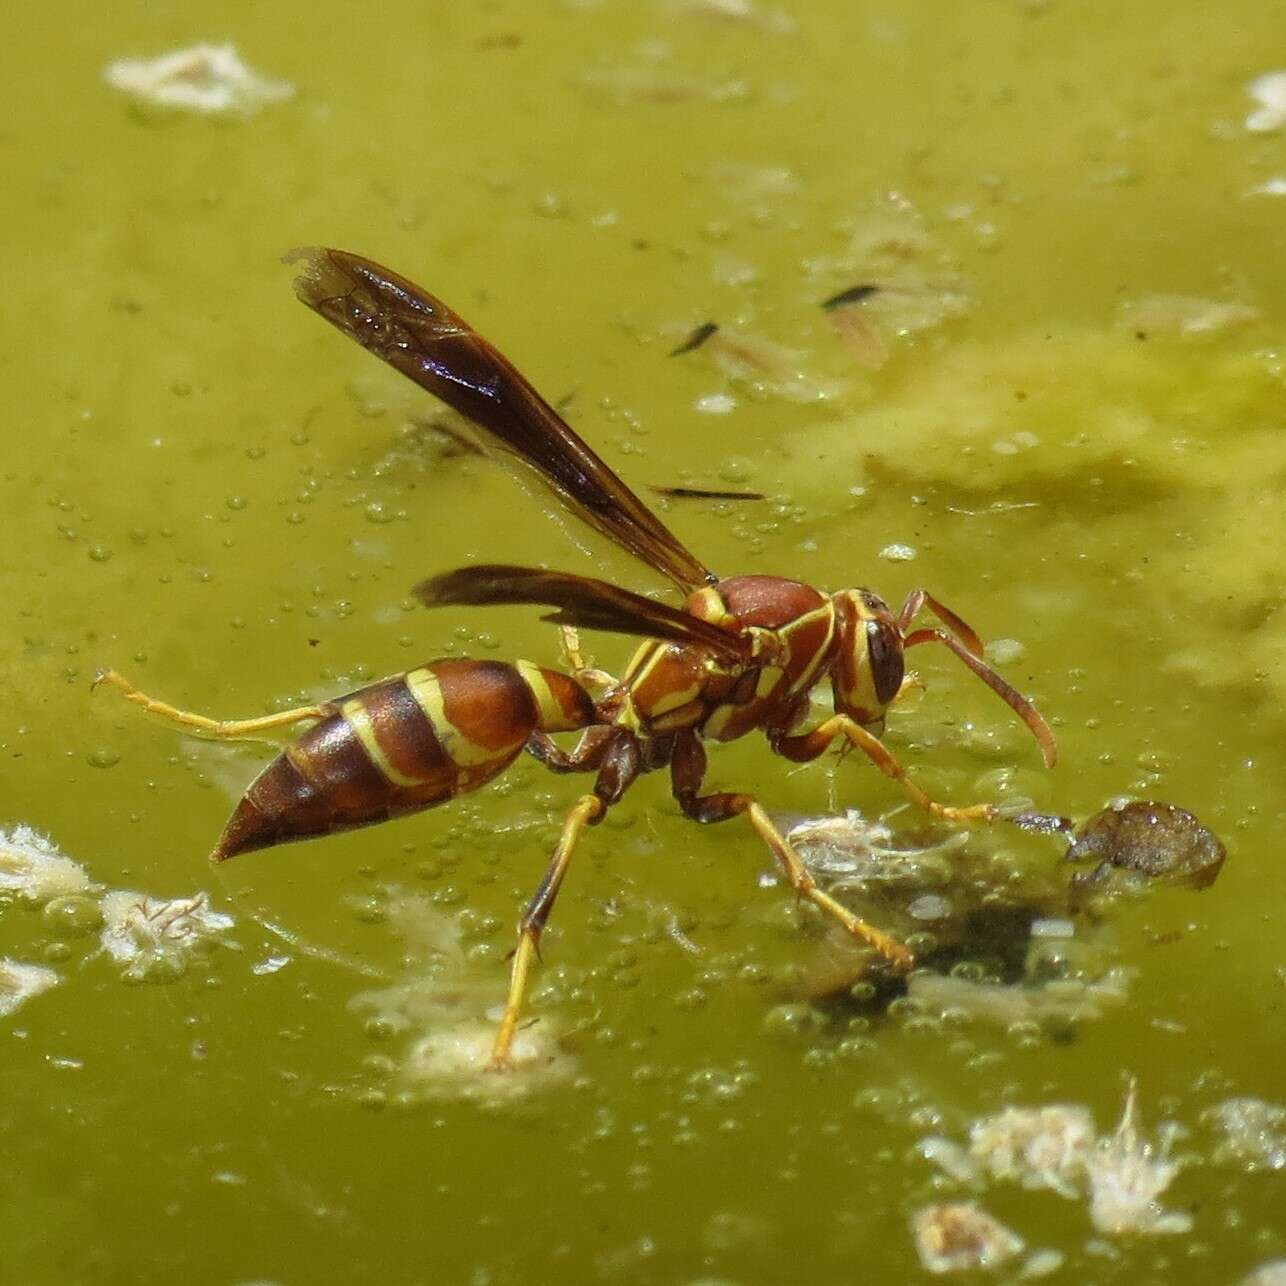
(695, 339)
(705, 493)
(846, 298)
(1155, 839)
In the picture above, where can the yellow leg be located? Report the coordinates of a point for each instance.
(809, 745)
(223, 729)
(576, 661)
(587, 810)
(910, 681)
(887, 945)
(687, 770)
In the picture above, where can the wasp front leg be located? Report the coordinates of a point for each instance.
(809, 745)
(687, 770)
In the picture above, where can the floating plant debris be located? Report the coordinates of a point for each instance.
(208, 80)
(1121, 1174)
(34, 869)
(957, 1236)
(1157, 840)
(20, 982)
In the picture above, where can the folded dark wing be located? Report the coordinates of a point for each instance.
(581, 601)
(421, 337)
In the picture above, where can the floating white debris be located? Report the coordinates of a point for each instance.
(1254, 1133)
(907, 283)
(1053, 928)
(154, 940)
(33, 868)
(1126, 1176)
(949, 1157)
(209, 80)
(955, 1237)
(1273, 1273)
(766, 366)
(1046, 1147)
(1060, 1000)
(898, 553)
(439, 1003)
(1188, 316)
(1022, 440)
(861, 336)
(748, 183)
(452, 1062)
(20, 982)
(739, 11)
(1269, 91)
(1004, 651)
(1041, 1263)
(1056, 1147)
(645, 82)
(715, 404)
(1276, 186)
(843, 845)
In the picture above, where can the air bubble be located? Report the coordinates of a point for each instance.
(794, 1022)
(73, 916)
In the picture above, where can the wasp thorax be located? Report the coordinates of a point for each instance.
(868, 665)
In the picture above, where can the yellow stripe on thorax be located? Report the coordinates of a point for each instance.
(675, 698)
(644, 652)
(718, 721)
(462, 752)
(809, 674)
(768, 679)
(358, 718)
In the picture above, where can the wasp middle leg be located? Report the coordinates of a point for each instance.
(587, 810)
(618, 759)
(687, 770)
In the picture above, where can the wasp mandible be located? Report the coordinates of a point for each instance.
(741, 654)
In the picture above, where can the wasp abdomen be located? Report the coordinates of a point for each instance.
(402, 745)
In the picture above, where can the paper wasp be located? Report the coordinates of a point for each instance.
(740, 655)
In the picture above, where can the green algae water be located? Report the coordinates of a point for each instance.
(1063, 411)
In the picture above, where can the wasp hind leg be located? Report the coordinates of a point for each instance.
(687, 772)
(220, 729)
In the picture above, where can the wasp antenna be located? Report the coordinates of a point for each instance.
(919, 598)
(1009, 695)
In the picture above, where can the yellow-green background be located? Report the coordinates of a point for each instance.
(197, 479)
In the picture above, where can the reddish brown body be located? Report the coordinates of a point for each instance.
(668, 687)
